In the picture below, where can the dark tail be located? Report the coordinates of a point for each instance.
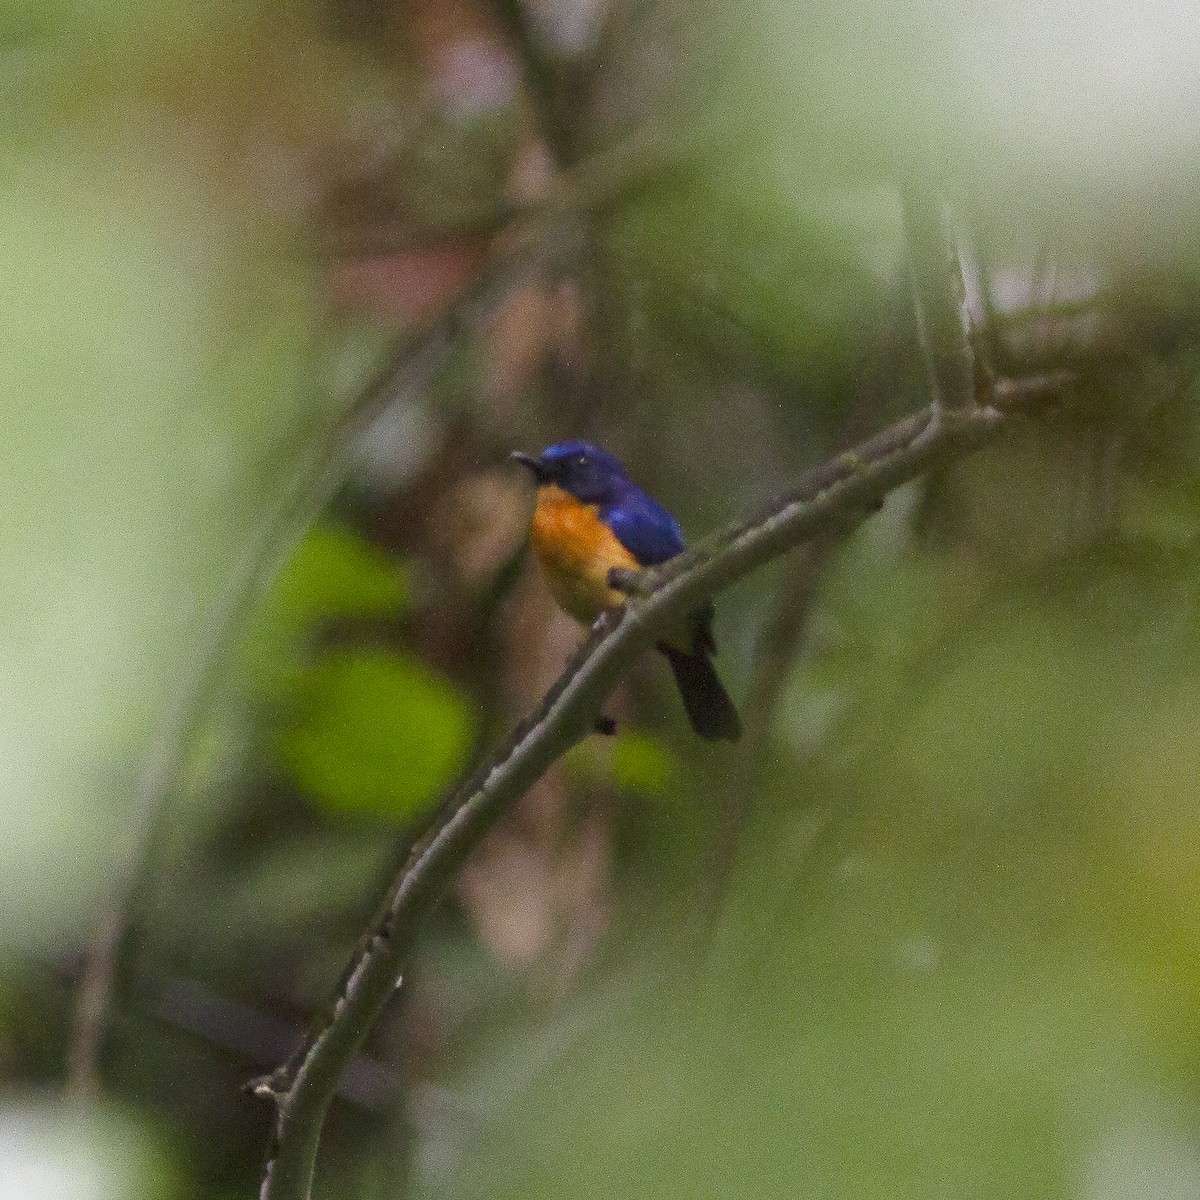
(708, 705)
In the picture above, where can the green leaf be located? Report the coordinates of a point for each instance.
(641, 763)
(332, 573)
(376, 733)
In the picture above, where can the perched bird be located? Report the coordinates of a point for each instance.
(591, 517)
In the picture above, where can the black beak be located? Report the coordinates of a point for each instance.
(532, 464)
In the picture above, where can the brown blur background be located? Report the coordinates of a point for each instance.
(930, 930)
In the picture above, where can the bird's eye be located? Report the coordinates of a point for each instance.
(581, 460)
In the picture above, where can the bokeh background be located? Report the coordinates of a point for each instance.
(281, 284)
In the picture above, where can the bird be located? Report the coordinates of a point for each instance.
(590, 518)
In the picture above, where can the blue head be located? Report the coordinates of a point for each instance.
(585, 471)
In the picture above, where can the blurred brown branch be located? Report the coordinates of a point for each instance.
(835, 496)
(593, 186)
(544, 78)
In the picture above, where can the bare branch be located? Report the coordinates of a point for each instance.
(835, 496)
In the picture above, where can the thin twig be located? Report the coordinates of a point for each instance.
(835, 496)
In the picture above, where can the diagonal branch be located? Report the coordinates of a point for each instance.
(837, 495)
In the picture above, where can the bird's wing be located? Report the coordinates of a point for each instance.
(645, 528)
(652, 536)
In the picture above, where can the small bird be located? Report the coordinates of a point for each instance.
(591, 517)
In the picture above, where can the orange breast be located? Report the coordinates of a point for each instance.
(577, 551)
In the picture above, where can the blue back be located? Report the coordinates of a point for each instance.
(643, 526)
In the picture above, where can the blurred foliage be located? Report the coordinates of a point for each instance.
(163, 345)
(958, 954)
(362, 731)
(930, 929)
(375, 733)
(641, 764)
(331, 574)
(47, 1153)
